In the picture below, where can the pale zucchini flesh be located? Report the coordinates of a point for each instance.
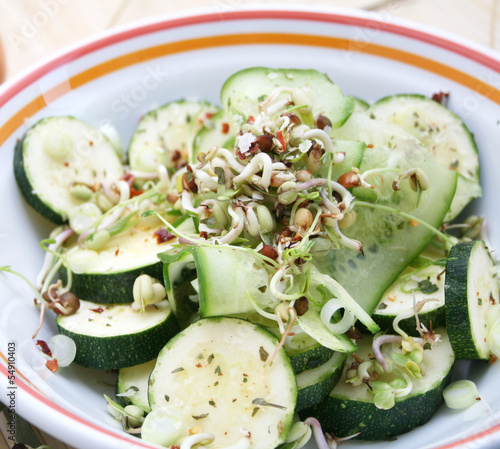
(165, 135)
(443, 134)
(390, 241)
(58, 153)
(349, 410)
(215, 374)
(132, 385)
(244, 90)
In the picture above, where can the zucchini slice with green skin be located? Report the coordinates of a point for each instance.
(179, 271)
(306, 353)
(164, 136)
(216, 131)
(472, 298)
(132, 385)
(443, 134)
(425, 284)
(315, 384)
(225, 278)
(115, 336)
(56, 154)
(390, 241)
(348, 410)
(353, 151)
(107, 275)
(360, 105)
(214, 373)
(243, 91)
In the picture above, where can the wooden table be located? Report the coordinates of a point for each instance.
(33, 29)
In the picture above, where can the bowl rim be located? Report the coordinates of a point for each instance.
(40, 403)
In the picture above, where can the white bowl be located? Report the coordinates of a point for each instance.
(120, 75)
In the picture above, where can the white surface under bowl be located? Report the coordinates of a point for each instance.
(118, 76)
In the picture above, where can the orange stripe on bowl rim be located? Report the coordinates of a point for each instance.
(105, 68)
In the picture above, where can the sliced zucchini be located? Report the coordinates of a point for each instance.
(216, 131)
(408, 290)
(179, 271)
(348, 409)
(107, 275)
(132, 385)
(115, 336)
(443, 134)
(360, 105)
(353, 151)
(306, 353)
(390, 241)
(322, 289)
(315, 384)
(225, 279)
(165, 135)
(472, 297)
(214, 373)
(56, 154)
(243, 91)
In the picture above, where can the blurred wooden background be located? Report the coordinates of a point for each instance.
(31, 30)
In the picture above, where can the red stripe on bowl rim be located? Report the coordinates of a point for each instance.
(460, 49)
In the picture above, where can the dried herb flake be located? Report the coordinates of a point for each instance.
(264, 355)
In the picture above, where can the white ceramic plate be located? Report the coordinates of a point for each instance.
(120, 75)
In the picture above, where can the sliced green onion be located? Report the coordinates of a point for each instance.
(461, 394)
(63, 350)
(327, 312)
(86, 217)
(162, 427)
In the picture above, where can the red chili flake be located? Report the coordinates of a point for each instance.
(279, 136)
(162, 235)
(66, 164)
(225, 128)
(369, 145)
(98, 310)
(251, 120)
(175, 447)
(135, 192)
(91, 143)
(441, 97)
(204, 235)
(493, 359)
(129, 178)
(117, 252)
(198, 365)
(44, 347)
(209, 114)
(240, 155)
(52, 365)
